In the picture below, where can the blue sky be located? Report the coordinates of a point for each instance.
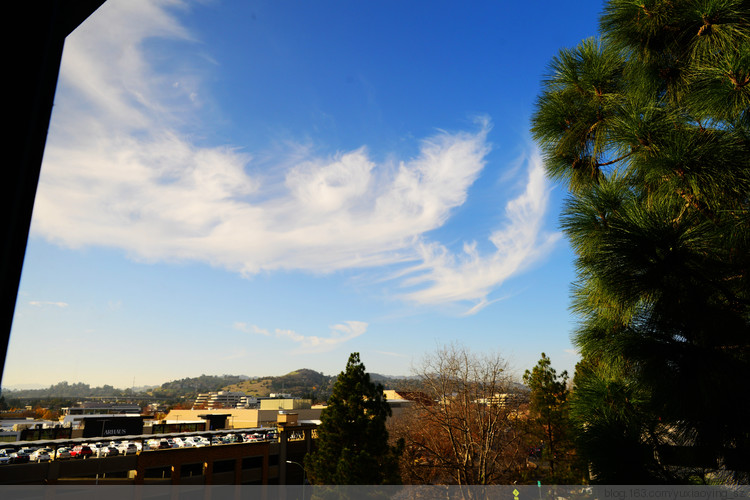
(254, 187)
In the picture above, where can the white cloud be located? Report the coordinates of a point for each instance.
(244, 327)
(444, 277)
(42, 303)
(339, 334)
(119, 173)
(394, 354)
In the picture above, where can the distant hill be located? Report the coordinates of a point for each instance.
(22, 387)
(302, 383)
(67, 390)
(192, 386)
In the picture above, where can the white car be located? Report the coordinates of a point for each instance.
(128, 449)
(98, 449)
(200, 441)
(41, 455)
(4, 458)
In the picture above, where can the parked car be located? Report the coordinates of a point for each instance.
(110, 451)
(164, 444)
(4, 457)
(42, 455)
(20, 457)
(62, 453)
(81, 451)
(197, 441)
(97, 449)
(128, 449)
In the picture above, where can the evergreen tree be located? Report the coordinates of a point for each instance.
(548, 408)
(352, 444)
(650, 128)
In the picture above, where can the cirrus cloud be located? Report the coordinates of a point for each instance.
(42, 303)
(120, 172)
(339, 334)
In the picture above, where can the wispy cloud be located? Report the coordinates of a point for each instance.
(42, 303)
(444, 277)
(244, 327)
(339, 334)
(393, 354)
(119, 172)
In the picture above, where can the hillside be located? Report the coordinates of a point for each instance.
(303, 383)
(194, 385)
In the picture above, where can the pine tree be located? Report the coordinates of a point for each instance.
(548, 409)
(352, 444)
(650, 128)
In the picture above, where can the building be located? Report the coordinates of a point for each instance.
(285, 404)
(512, 400)
(263, 462)
(241, 418)
(202, 400)
(225, 399)
(398, 401)
(102, 409)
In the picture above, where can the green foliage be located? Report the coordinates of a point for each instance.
(613, 428)
(352, 445)
(549, 419)
(302, 380)
(649, 126)
(66, 390)
(191, 386)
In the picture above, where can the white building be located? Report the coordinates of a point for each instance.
(225, 399)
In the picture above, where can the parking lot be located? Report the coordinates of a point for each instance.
(73, 449)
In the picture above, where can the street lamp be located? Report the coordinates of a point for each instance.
(304, 476)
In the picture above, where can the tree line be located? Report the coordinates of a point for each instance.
(468, 423)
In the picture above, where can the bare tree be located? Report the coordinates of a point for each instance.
(465, 427)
